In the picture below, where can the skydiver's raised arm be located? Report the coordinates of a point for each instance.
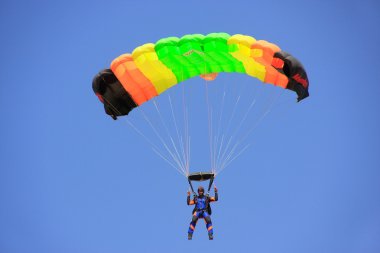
(190, 201)
(215, 198)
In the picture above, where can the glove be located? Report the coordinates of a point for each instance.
(215, 189)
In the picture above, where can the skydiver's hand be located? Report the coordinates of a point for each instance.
(215, 189)
(188, 193)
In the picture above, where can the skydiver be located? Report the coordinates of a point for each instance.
(201, 210)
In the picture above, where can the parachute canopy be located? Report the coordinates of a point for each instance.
(151, 69)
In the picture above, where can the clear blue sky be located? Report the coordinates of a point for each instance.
(73, 180)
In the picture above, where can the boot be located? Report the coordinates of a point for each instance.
(190, 236)
(210, 236)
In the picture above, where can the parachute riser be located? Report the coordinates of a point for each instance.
(201, 176)
(209, 185)
(191, 186)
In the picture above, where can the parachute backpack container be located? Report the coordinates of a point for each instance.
(152, 69)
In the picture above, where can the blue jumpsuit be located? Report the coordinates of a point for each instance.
(201, 212)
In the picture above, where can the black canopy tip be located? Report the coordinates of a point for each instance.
(117, 101)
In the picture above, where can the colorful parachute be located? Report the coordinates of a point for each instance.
(153, 68)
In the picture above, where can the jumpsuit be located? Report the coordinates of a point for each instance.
(200, 211)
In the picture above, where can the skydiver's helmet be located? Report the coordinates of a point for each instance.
(201, 190)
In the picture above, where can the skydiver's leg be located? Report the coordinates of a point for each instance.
(207, 218)
(193, 223)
